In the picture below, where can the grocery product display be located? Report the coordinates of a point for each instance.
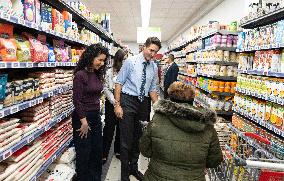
(40, 44)
(209, 53)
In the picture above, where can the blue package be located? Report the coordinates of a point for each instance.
(3, 82)
(51, 54)
(241, 40)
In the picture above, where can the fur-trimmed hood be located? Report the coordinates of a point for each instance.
(185, 116)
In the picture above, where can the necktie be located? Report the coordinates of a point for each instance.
(143, 82)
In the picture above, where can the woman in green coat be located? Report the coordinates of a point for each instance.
(180, 140)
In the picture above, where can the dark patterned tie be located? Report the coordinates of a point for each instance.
(142, 88)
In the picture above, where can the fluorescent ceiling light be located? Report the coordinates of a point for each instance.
(145, 12)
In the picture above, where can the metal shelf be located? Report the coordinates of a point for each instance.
(260, 96)
(263, 47)
(5, 65)
(216, 93)
(231, 49)
(261, 122)
(264, 20)
(223, 32)
(27, 104)
(225, 78)
(205, 105)
(96, 28)
(7, 153)
(262, 73)
(185, 74)
(51, 159)
(217, 62)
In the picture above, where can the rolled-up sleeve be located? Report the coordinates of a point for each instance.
(153, 86)
(124, 72)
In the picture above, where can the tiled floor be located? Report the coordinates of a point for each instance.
(114, 169)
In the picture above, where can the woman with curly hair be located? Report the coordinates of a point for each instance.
(86, 120)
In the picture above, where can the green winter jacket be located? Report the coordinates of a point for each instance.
(181, 142)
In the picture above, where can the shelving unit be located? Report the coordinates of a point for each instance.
(21, 25)
(205, 105)
(225, 78)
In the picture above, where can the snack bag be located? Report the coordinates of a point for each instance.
(23, 49)
(3, 82)
(29, 10)
(8, 49)
(42, 39)
(36, 50)
(58, 46)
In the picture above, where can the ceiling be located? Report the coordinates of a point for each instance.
(170, 15)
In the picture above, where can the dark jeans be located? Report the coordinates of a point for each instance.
(110, 123)
(88, 150)
(166, 95)
(130, 132)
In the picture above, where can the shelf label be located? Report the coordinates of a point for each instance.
(40, 100)
(14, 19)
(3, 65)
(33, 103)
(30, 139)
(58, 120)
(15, 65)
(53, 158)
(29, 65)
(41, 64)
(6, 15)
(7, 154)
(14, 109)
(1, 114)
(50, 94)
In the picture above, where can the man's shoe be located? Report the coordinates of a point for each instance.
(137, 174)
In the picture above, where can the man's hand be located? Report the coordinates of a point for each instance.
(118, 111)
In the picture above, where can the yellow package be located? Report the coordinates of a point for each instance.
(23, 49)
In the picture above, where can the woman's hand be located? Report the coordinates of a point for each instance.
(118, 111)
(84, 128)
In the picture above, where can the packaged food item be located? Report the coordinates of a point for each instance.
(221, 86)
(8, 50)
(6, 30)
(58, 50)
(226, 56)
(51, 55)
(29, 10)
(28, 89)
(36, 48)
(46, 16)
(37, 12)
(45, 50)
(9, 94)
(280, 117)
(3, 83)
(23, 49)
(18, 91)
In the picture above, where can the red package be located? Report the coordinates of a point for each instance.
(7, 29)
(42, 39)
(8, 50)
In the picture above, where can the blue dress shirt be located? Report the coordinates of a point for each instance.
(130, 76)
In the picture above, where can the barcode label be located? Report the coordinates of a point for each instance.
(7, 154)
(29, 64)
(15, 65)
(14, 109)
(3, 65)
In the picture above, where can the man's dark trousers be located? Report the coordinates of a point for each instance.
(134, 111)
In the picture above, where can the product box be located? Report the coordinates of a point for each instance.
(29, 10)
(46, 16)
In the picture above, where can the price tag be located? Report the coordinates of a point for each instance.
(41, 64)
(68, 63)
(277, 131)
(6, 15)
(53, 158)
(33, 103)
(14, 109)
(14, 19)
(3, 65)
(40, 100)
(58, 120)
(50, 94)
(7, 154)
(30, 139)
(1, 114)
(35, 26)
(15, 65)
(29, 65)
(52, 64)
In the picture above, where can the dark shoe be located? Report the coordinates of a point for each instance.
(104, 161)
(137, 174)
(117, 156)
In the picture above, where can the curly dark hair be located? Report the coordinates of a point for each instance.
(86, 59)
(118, 59)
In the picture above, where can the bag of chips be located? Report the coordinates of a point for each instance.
(23, 49)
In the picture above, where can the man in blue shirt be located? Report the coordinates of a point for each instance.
(136, 80)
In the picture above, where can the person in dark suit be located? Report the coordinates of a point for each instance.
(171, 74)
